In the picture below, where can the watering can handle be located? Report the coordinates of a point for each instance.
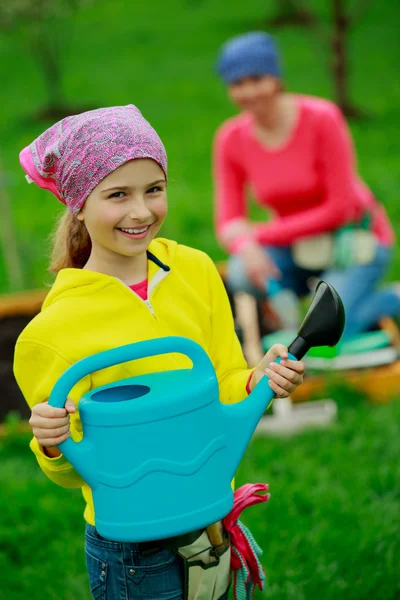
(201, 363)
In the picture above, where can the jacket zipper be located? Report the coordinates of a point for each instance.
(158, 277)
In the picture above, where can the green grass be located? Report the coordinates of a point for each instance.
(331, 529)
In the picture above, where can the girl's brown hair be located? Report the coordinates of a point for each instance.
(71, 245)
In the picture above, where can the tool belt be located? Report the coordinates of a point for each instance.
(352, 244)
(205, 557)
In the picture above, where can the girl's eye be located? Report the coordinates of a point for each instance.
(154, 189)
(117, 195)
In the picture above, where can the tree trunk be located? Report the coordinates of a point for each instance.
(340, 67)
(45, 49)
(45, 42)
(51, 70)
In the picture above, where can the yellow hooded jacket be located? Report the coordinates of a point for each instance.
(87, 312)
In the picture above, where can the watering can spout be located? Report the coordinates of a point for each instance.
(322, 326)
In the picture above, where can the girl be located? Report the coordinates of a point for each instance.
(296, 154)
(118, 283)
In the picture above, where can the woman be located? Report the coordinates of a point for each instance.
(296, 155)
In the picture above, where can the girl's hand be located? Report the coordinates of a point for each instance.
(284, 377)
(259, 267)
(50, 425)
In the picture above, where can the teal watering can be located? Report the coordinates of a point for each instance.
(159, 451)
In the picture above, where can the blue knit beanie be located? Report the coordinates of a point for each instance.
(248, 55)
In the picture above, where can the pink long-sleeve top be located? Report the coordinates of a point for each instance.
(310, 184)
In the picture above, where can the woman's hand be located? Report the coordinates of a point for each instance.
(50, 425)
(259, 267)
(284, 377)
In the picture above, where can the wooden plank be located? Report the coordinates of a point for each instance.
(221, 267)
(381, 385)
(22, 303)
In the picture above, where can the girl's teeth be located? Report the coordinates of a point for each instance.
(135, 230)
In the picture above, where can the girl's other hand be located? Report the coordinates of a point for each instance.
(50, 425)
(283, 377)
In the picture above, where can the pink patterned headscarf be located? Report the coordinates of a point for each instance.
(74, 155)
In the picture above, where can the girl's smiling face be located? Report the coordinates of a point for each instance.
(124, 213)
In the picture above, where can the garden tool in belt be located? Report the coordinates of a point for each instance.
(207, 569)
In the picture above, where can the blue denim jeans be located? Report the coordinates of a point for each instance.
(118, 571)
(357, 285)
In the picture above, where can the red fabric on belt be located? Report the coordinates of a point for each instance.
(247, 495)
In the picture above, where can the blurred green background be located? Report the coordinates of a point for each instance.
(161, 56)
(331, 529)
